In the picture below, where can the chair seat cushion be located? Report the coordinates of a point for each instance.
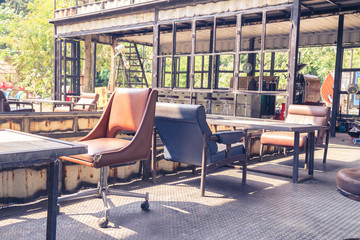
(62, 109)
(98, 146)
(348, 179)
(280, 138)
(236, 149)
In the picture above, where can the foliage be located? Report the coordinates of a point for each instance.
(102, 65)
(28, 43)
(65, 3)
(319, 60)
(19, 6)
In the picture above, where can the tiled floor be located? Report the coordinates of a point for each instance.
(268, 207)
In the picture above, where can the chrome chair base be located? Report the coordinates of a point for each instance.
(103, 191)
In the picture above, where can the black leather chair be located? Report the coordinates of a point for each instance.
(187, 139)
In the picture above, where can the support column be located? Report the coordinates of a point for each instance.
(293, 51)
(57, 84)
(87, 65)
(155, 63)
(111, 85)
(252, 57)
(93, 82)
(237, 59)
(173, 60)
(338, 72)
(192, 56)
(262, 52)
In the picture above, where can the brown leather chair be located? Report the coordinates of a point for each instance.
(302, 114)
(87, 102)
(128, 110)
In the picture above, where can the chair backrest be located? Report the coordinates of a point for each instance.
(130, 109)
(7, 93)
(90, 99)
(5, 107)
(307, 114)
(127, 110)
(18, 95)
(181, 128)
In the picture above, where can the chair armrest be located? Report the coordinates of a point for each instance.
(229, 137)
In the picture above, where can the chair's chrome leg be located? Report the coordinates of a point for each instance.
(103, 190)
(107, 209)
(119, 192)
(84, 193)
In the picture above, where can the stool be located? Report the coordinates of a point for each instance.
(348, 183)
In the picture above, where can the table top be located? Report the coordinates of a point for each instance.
(23, 149)
(35, 100)
(257, 123)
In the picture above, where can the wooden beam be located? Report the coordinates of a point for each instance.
(111, 85)
(93, 77)
(338, 73)
(88, 64)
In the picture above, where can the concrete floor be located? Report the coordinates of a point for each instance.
(268, 207)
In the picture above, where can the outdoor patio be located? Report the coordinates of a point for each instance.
(267, 207)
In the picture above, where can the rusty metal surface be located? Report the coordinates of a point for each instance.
(267, 207)
(54, 123)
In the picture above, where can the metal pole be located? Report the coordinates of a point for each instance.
(262, 52)
(213, 50)
(94, 68)
(293, 51)
(173, 61)
(338, 72)
(237, 58)
(192, 56)
(155, 64)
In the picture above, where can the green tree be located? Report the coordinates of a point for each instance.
(28, 41)
(19, 6)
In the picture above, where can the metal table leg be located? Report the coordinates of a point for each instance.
(52, 186)
(311, 152)
(296, 157)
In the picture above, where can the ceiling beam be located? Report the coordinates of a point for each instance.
(286, 13)
(307, 7)
(334, 3)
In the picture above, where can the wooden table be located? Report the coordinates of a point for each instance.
(53, 102)
(18, 149)
(274, 125)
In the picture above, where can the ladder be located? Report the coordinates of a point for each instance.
(131, 67)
